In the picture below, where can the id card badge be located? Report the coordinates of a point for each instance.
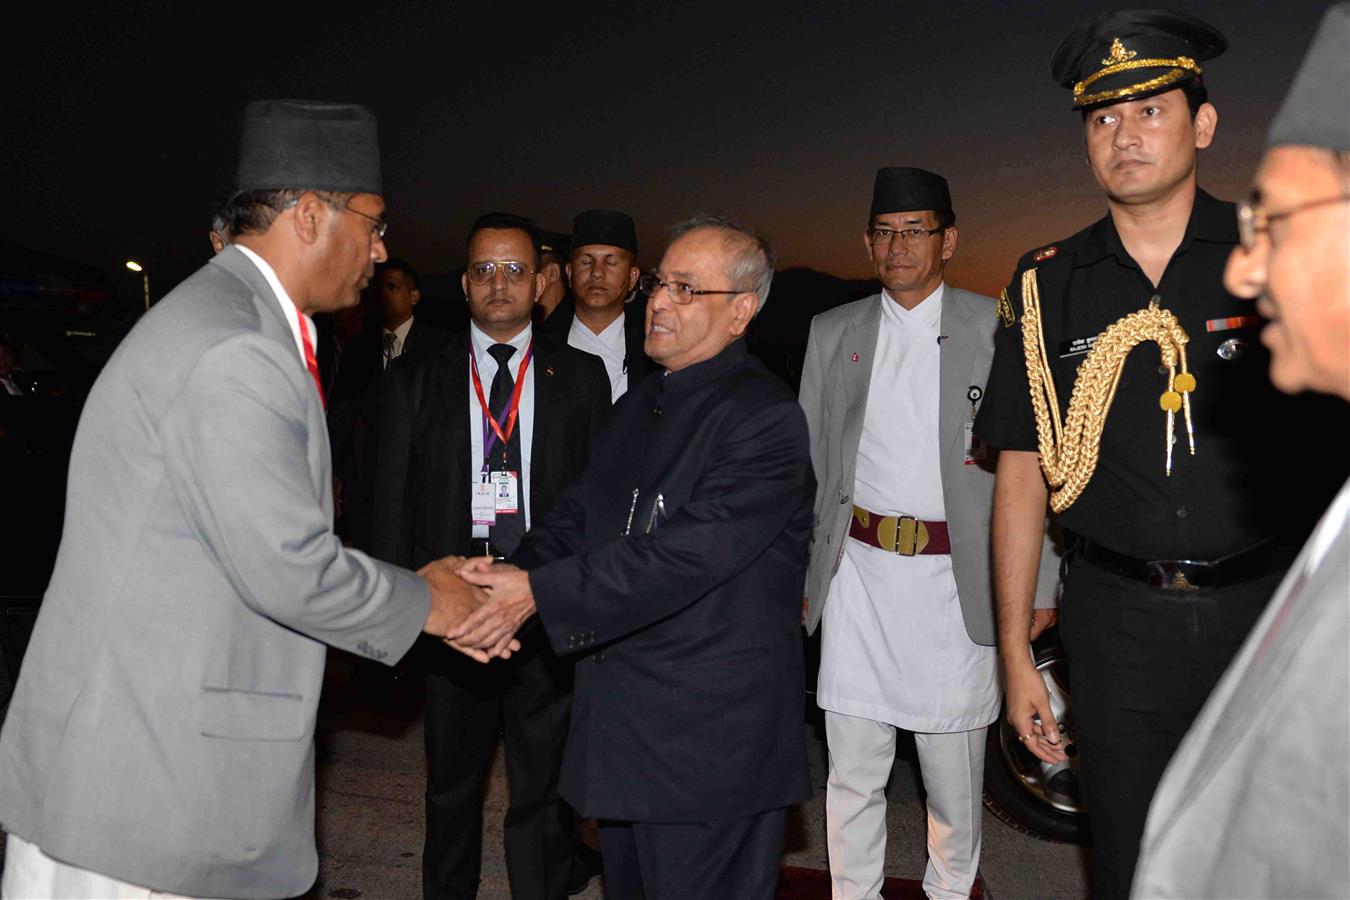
(975, 448)
(483, 501)
(506, 493)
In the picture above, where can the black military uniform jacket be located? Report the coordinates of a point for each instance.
(1232, 494)
(676, 565)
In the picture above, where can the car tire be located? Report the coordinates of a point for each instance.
(1030, 795)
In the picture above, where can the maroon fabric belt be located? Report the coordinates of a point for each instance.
(901, 535)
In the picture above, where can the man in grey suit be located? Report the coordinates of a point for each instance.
(161, 734)
(1256, 801)
(901, 541)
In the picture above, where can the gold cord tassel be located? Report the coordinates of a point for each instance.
(1070, 449)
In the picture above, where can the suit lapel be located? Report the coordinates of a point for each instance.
(956, 369)
(857, 350)
(550, 379)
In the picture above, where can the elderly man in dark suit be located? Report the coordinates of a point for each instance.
(161, 738)
(674, 567)
(453, 480)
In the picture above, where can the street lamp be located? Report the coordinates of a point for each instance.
(145, 278)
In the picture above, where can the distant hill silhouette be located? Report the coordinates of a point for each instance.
(778, 335)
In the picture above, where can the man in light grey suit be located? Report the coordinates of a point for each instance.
(1256, 801)
(161, 734)
(899, 569)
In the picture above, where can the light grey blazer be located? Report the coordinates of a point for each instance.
(162, 728)
(1256, 801)
(834, 396)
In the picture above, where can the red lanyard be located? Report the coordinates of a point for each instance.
(510, 414)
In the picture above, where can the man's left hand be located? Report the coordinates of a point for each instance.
(1042, 619)
(509, 604)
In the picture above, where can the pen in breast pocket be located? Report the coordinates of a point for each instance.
(658, 507)
(632, 508)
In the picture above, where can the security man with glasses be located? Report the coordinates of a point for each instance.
(1128, 389)
(478, 440)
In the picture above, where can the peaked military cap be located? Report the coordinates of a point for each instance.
(309, 145)
(605, 226)
(905, 188)
(1130, 54)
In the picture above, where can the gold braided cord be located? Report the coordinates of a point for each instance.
(1142, 87)
(1179, 62)
(1070, 449)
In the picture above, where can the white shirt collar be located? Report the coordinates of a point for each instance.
(926, 315)
(289, 310)
(401, 332)
(481, 342)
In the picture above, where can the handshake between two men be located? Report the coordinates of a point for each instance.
(477, 605)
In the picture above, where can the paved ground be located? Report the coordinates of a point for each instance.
(371, 779)
(370, 810)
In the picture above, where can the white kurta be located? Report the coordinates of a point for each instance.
(610, 345)
(894, 646)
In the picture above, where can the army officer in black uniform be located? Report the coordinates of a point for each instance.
(1173, 552)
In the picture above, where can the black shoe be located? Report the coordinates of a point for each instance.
(585, 866)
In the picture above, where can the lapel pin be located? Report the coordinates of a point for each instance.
(855, 357)
(548, 370)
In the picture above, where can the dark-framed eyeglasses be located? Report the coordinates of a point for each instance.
(680, 292)
(513, 270)
(880, 237)
(378, 226)
(1252, 217)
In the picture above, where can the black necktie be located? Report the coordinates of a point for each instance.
(510, 527)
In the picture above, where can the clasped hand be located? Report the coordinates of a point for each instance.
(477, 606)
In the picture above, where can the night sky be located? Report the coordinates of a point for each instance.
(121, 124)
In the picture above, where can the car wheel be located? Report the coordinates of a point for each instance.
(1033, 796)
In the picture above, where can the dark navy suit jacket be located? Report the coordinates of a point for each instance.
(689, 695)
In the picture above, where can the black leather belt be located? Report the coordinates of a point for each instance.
(1188, 574)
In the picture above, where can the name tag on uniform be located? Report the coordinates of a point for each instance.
(506, 493)
(483, 502)
(975, 448)
(1076, 346)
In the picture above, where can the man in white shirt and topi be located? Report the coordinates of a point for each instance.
(899, 577)
(604, 316)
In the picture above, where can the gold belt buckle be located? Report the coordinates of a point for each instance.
(903, 535)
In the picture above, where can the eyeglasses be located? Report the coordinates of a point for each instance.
(378, 225)
(1252, 218)
(910, 236)
(514, 270)
(680, 292)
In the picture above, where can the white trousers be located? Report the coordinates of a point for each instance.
(31, 874)
(861, 752)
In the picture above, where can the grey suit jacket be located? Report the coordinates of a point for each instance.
(162, 728)
(1256, 801)
(833, 394)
